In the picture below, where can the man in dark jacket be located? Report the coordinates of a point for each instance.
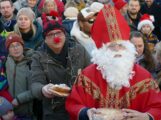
(57, 62)
(153, 9)
(133, 15)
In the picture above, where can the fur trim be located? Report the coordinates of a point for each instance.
(145, 22)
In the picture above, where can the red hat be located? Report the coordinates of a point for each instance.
(109, 26)
(144, 20)
(13, 37)
(119, 4)
(49, 25)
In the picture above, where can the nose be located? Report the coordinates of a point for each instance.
(116, 48)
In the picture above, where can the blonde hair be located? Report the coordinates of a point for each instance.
(17, 29)
(50, 1)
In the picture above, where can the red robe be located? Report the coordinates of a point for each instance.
(92, 91)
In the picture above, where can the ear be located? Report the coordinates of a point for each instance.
(81, 25)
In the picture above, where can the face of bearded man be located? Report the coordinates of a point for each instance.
(116, 63)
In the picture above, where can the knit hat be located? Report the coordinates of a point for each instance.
(13, 37)
(71, 12)
(144, 20)
(119, 4)
(27, 11)
(49, 25)
(5, 106)
(110, 25)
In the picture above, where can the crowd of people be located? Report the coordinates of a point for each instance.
(106, 52)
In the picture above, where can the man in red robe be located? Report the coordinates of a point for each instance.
(113, 80)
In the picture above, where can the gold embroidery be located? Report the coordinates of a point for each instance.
(111, 21)
(113, 98)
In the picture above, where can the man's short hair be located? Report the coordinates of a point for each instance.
(136, 34)
(134, 1)
(5, 1)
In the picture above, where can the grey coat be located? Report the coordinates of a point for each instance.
(19, 83)
(46, 69)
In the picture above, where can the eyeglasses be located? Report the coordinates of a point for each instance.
(56, 34)
(15, 46)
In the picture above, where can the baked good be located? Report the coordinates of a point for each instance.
(107, 114)
(61, 89)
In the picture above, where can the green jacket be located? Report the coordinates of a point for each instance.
(19, 83)
(45, 69)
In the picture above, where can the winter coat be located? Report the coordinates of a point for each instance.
(19, 83)
(46, 69)
(34, 41)
(68, 24)
(133, 26)
(85, 40)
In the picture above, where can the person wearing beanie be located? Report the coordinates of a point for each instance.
(57, 62)
(18, 72)
(70, 14)
(6, 109)
(28, 28)
(146, 27)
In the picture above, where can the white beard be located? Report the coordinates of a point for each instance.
(117, 71)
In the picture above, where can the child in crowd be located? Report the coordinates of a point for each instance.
(17, 69)
(146, 27)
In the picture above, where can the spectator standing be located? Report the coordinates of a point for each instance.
(50, 10)
(146, 27)
(133, 15)
(150, 7)
(59, 4)
(144, 56)
(82, 26)
(8, 18)
(56, 62)
(18, 75)
(28, 28)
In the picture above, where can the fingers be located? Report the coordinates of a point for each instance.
(90, 113)
(46, 91)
